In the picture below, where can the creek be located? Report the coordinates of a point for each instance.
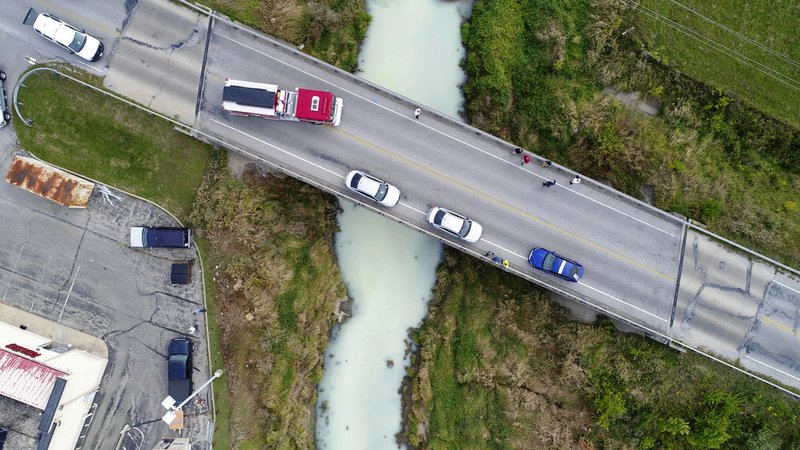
(413, 47)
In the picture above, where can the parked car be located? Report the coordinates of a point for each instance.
(6, 117)
(70, 38)
(455, 224)
(372, 188)
(170, 237)
(555, 264)
(179, 369)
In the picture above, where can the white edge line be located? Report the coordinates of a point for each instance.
(310, 163)
(787, 287)
(773, 368)
(624, 302)
(505, 249)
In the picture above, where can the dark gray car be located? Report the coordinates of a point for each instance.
(6, 117)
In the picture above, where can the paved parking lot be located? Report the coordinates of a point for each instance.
(75, 267)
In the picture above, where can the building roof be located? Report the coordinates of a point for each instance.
(49, 182)
(26, 381)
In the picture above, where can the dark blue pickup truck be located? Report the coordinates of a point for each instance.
(172, 237)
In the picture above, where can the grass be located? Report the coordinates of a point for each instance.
(270, 247)
(762, 62)
(331, 30)
(92, 134)
(499, 366)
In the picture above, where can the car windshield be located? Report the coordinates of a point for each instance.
(77, 42)
(382, 190)
(574, 271)
(465, 228)
(354, 181)
(547, 264)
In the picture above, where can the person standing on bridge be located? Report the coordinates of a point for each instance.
(417, 112)
(517, 151)
(526, 159)
(575, 180)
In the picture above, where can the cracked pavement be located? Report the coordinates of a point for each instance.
(74, 266)
(739, 308)
(159, 59)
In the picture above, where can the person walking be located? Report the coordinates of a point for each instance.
(549, 183)
(525, 159)
(488, 254)
(517, 151)
(198, 311)
(575, 180)
(547, 163)
(417, 112)
(192, 329)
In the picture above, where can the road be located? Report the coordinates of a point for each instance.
(642, 265)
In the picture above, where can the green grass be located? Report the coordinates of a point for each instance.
(499, 366)
(331, 30)
(92, 134)
(764, 71)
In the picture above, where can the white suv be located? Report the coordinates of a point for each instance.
(73, 40)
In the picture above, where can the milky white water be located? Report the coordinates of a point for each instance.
(413, 47)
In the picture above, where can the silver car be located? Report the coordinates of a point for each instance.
(455, 224)
(372, 188)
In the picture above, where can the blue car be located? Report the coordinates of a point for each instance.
(179, 369)
(555, 264)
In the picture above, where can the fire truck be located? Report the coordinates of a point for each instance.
(248, 98)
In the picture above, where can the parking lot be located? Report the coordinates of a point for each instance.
(75, 267)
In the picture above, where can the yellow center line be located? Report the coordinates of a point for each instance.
(503, 204)
(778, 325)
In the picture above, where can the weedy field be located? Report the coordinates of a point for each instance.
(748, 48)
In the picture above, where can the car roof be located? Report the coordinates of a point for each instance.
(180, 346)
(46, 25)
(368, 185)
(452, 222)
(64, 34)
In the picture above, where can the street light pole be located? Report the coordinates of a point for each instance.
(171, 410)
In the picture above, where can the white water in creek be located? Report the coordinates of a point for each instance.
(413, 47)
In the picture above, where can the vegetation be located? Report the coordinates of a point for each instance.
(331, 30)
(707, 155)
(754, 54)
(500, 366)
(271, 256)
(92, 134)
